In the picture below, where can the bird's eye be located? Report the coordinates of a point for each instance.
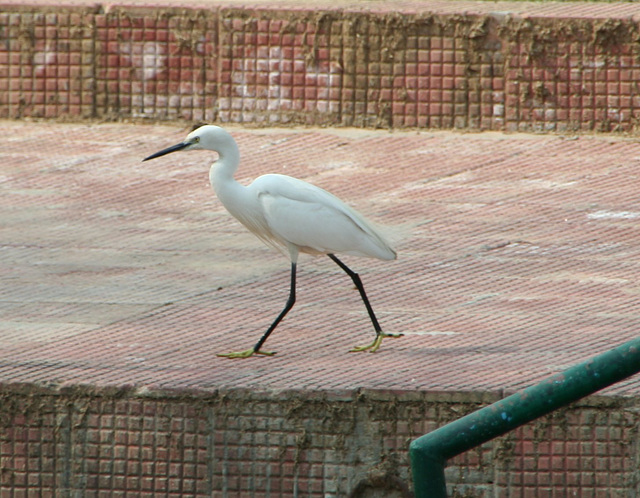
(196, 140)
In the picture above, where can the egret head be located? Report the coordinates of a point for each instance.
(208, 137)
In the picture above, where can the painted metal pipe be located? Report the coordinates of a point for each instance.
(430, 452)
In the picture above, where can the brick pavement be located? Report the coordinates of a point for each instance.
(518, 257)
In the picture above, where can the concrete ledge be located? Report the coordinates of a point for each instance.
(521, 259)
(118, 442)
(494, 66)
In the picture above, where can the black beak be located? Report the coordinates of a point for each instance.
(173, 148)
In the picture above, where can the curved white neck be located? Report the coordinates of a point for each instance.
(232, 194)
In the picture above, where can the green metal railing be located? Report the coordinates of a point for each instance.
(430, 452)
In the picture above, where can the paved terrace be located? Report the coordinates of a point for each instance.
(518, 257)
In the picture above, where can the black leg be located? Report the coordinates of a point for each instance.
(256, 349)
(290, 302)
(373, 347)
(358, 283)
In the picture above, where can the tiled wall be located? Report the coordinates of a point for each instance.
(331, 67)
(243, 443)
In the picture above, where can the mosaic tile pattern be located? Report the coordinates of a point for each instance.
(108, 443)
(553, 70)
(510, 248)
(518, 257)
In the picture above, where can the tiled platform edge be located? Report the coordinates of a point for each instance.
(83, 442)
(412, 67)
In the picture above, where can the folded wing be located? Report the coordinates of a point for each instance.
(316, 221)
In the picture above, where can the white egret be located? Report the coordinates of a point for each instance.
(290, 215)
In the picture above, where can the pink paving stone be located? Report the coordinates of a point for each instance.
(519, 256)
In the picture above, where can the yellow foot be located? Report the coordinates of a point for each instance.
(373, 347)
(245, 354)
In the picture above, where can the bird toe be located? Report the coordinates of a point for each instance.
(245, 354)
(375, 345)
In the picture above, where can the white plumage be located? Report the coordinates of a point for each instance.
(290, 215)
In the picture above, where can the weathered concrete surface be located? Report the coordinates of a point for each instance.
(121, 442)
(515, 66)
(518, 256)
